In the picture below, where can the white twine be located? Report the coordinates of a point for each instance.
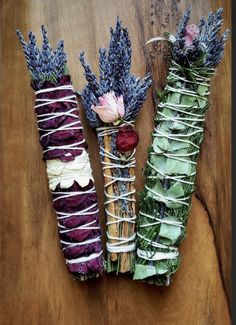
(84, 258)
(85, 242)
(159, 221)
(87, 226)
(121, 244)
(157, 256)
(76, 125)
(70, 194)
(191, 117)
(156, 244)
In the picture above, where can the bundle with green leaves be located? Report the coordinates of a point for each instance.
(111, 104)
(172, 157)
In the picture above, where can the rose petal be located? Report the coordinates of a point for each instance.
(108, 99)
(126, 139)
(120, 106)
(106, 114)
(191, 32)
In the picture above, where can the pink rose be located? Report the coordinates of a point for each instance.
(191, 32)
(110, 107)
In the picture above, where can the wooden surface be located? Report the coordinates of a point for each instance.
(35, 287)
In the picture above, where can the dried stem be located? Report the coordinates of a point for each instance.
(113, 228)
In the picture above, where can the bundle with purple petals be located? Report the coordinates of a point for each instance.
(64, 151)
(111, 105)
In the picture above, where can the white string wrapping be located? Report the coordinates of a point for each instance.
(182, 116)
(48, 116)
(120, 244)
(63, 172)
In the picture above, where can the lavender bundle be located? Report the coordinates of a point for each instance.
(111, 105)
(64, 151)
(179, 128)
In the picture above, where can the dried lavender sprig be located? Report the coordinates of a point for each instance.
(44, 64)
(104, 79)
(181, 31)
(115, 64)
(208, 46)
(136, 95)
(88, 100)
(90, 76)
(119, 57)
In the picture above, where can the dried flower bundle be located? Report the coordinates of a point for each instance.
(111, 104)
(64, 151)
(179, 128)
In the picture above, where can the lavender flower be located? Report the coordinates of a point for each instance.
(44, 64)
(115, 64)
(207, 47)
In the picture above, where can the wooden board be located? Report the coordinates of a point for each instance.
(35, 287)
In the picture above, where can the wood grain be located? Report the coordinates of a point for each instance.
(35, 287)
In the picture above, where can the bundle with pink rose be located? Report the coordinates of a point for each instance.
(111, 105)
(172, 157)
